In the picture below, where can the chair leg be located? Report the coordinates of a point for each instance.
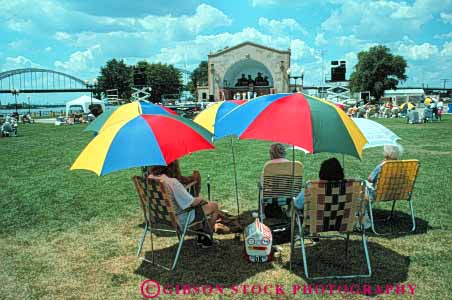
(181, 242)
(292, 234)
(371, 214)
(152, 243)
(413, 219)
(303, 252)
(181, 237)
(347, 239)
(366, 253)
(392, 210)
(143, 237)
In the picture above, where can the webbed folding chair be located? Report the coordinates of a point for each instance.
(394, 182)
(280, 182)
(160, 208)
(330, 206)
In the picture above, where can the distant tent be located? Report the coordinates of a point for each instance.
(82, 104)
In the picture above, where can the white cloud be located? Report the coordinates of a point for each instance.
(48, 49)
(62, 36)
(52, 14)
(17, 44)
(352, 59)
(19, 62)
(320, 39)
(19, 25)
(198, 48)
(383, 20)
(256, 3)
(444, 36)
(205, 17)
(138, 37)
(447, 49)
(447, 18)
(284, 26)
(417, 52)
(300, 50)
(80, 61)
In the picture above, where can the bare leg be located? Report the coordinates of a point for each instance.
(211, 208)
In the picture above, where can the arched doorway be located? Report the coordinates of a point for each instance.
(247, 77)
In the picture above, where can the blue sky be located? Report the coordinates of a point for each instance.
(77, 36)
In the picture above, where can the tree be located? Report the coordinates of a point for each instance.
(377, 70)
(198, 76)
(116, 75)
(163, 78)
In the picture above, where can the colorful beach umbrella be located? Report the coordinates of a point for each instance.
(310, 123)
(409, 104)
(239, 102)
(209, 116)
(376, 134)
(127, 112)
(144, 140)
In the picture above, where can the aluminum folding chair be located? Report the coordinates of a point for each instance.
(280, 182)
(330, 206)
(159, 208)
(394, 182)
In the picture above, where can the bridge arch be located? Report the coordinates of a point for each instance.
(39, 80)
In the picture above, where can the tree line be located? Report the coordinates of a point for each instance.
(162, 78)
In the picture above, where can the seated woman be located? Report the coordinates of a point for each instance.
(390, 152)
(330, 170)
(277, 153)
(193, 182)
(185, 200)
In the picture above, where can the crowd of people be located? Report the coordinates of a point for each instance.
(433, 109)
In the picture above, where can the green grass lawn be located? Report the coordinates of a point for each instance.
(72, 235)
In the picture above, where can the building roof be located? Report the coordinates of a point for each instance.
(251, 44)
(402, 91)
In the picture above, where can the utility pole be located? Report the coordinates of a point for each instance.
(444, 82)
(322, 53)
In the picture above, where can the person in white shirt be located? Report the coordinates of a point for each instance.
(183, 200)
(440, 106)
(434, 108)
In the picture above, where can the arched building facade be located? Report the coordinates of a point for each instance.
(247, 69)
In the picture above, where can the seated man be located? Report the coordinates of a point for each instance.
(191, 182)
(184, 200)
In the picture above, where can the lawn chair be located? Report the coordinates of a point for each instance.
(330, 206)
(394, 182)
(413, 117)
(280, 182)
(160, 208)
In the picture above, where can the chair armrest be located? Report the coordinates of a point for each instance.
(190, 208)
(369, 185)
(190, 184)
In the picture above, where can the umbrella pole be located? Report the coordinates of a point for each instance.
(293, 175)
(343, 161)
(235, 181)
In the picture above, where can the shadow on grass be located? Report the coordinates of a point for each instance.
(222, 264)
(245, 219)
(397, 226)
(328, 258)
